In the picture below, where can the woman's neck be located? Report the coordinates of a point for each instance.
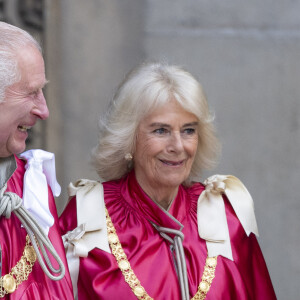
(163, 196)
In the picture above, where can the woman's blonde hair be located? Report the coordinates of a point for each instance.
(144, 89)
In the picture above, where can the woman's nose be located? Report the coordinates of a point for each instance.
(176, 143)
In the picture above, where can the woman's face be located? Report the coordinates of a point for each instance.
(166, 145)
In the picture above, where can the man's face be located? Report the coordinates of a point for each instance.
(24, 102)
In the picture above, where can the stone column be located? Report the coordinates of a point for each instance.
(90, 47)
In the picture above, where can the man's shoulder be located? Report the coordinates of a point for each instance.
(15, 182)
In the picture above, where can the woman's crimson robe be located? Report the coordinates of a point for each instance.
(132, 213)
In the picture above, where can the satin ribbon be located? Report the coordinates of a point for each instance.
(73, 252)
(40, 171)
(212, 221)
(91, 220)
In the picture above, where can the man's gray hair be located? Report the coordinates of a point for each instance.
(12, 39)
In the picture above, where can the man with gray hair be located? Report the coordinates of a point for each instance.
(32, 257)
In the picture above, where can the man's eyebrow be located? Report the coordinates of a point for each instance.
(36, 87)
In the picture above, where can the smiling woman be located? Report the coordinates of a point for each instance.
(145, 89)
(151, 230)
(166, 145)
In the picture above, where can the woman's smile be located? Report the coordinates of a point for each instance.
(167, 142)
(172, 163)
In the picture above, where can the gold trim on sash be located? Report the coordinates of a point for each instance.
(20, 272)
(132, 280)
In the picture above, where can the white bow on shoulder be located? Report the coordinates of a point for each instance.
(212, 221)
(91, 231)
(90, 216)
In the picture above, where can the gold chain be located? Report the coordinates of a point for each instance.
(132, 280)
(20, 272)
(207, 278)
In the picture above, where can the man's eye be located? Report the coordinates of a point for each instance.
(160, 131)
(35, 93)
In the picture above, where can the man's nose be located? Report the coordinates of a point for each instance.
(41, 109)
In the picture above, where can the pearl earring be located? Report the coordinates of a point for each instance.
(128, 156)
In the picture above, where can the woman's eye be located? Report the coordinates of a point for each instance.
(160, 131)
(189, 131)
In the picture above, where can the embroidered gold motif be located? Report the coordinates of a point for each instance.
(207, 278)
(9, 283)
(132, 280)
(30, 254)
(20, 272)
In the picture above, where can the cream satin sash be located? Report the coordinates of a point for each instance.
(91, 220)
(212, 222)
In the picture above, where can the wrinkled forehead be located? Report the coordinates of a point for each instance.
(31, 65)
(155, 104)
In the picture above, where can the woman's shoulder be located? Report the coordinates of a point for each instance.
(84, 194)
(112, 188)
(193, 192)
(195, 188)
(68, 219)
(225, 204)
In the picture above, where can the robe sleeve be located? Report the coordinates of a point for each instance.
(68, 219)
(249, 259)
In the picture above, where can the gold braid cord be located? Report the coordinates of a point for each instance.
(20, 272)
(132, 280)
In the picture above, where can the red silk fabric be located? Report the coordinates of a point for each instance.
(13, 240)
(132, 212)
